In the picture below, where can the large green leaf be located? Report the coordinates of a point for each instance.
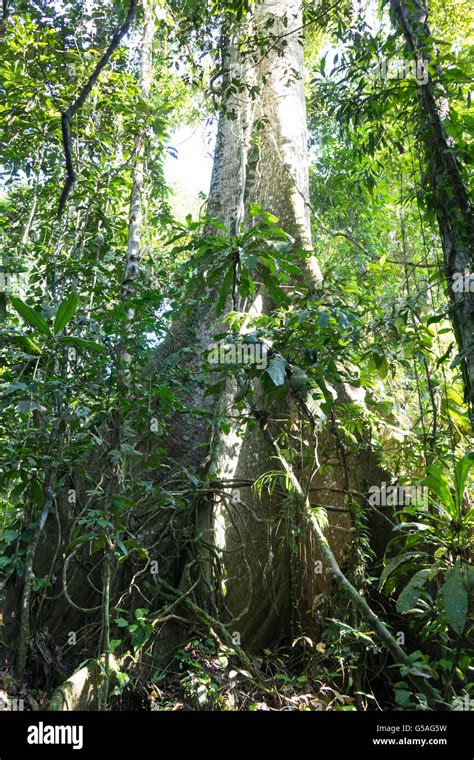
(299, 380)
(438, 483)
(88, 345)
(30, 315)
(225, 291)
(456, 599)
(395, 562)
(277, 369)
(278, 296)
(462, 471)
(26, 345)
(408, 599)
(65, 313)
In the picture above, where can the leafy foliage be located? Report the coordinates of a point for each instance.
(80, 404)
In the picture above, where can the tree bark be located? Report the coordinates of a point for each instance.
(132, 262)
(453, 208)
(269, 589)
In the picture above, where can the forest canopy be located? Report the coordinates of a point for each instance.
(236, 465)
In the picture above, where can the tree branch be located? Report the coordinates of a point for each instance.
(67, 115)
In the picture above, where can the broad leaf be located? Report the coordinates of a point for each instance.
(277, 369)
(88, 345)
(438, 483)
(396, 562)
(25, 343)
(30, 315)
(299, 380)
(410, 595)
(456, 599)
(462, 471)
(65, 313)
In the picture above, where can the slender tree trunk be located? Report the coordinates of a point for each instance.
(24, 630)
(132, 263)
(453, 208)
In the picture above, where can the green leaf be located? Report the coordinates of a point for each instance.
(85, 538)
(37, 492)
(29, 346)
(88, 345)
(26, 345)
(382, 369)
(402, 697)
(462, 470)
(436, 318)
(396, 562)
(65, 313)
(299, 380)
(323, 319)
(10, 535)
(457, 360)
(225, 290)
(121, 546)
(270, 218)
(438, 483)
(278, 296)
(277, 370)
(27, 405)
(30, 315)
(13, 387)
(456, 599)
(408, 599)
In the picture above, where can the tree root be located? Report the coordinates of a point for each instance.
(84, 689)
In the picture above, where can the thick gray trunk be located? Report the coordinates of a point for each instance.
(268, 555)
(261, 545)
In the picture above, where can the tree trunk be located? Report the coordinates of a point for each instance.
(453, 208)
(269, 590)
(132, 264)
(255, 568)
